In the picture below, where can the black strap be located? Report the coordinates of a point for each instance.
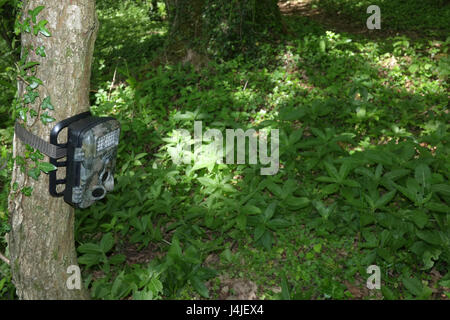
(43, 146)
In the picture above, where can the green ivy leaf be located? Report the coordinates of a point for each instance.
(40, 28)
(33, 13)
(29, 65)
(46, 104)
(34, 82)
(30, 97)
(46, 167)
(40, 51)
(34, 173)
(33, 113)
(23, 114)
(26, 26)
(27, 191)
(45, 118)
(36, 155)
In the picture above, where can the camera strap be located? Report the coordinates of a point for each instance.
(51, 150)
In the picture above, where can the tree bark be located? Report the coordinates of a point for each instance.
(41, 240)
(193, 23)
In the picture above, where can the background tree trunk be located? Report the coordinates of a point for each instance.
(200, 26)
(41, 241)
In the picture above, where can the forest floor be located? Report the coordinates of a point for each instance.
(335, 89)
(364, 172)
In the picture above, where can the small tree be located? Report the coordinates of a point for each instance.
(59, 36)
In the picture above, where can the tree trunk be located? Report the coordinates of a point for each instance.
(41, 240)
(197, 27)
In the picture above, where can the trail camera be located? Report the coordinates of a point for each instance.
(90, 152)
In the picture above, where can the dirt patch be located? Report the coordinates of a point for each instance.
(235, 289)
(135, 256)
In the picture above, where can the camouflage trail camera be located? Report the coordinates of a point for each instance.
(90, 151)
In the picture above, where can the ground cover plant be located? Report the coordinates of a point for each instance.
(364, 170)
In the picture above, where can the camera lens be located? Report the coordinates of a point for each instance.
(98, 192)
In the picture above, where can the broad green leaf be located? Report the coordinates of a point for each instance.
(322, 45)
(326, 179)
(267, 239)
(90, 259)
(437, 207)
(410, 194)
(259, 231)
(329, 189)
(429, 257)
(381, 202)
(269, 212)
(419, 217)
(351, 183)
(443, 189)
(34, 173)
(199, 286)
(431, 237)
(33, 13)
(332, 171)
(117, 259)
(241, 221)
(107, 242)
(297, 202)
(345, 169)
(46, 167)
(378, 171)
(207, 182)
(278, 223)
(46, 104)
(396, 174)
(120, 288)
(285, 294)
(295, 136)
(251, 209)
(275, 189)
(29, 65)
(422, 174)
(90, 248)
(387, 293)
(365, 172)
(414, 286)
(45, 118)
(175, 249)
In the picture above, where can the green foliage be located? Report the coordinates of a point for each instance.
(363, 179)
(357, 163)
